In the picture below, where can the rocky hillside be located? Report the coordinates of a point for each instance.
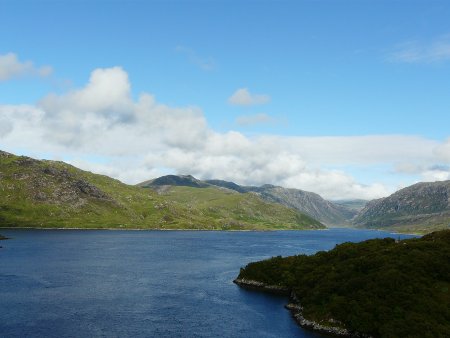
(310, 203)
(37, 193)
(356, 204)
(422, 207)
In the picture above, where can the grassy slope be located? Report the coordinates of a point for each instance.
(54, 194)
(379, 287)
(423, 225)
(236, 209)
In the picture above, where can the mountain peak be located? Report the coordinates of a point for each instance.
(418, 206)
(175, 180)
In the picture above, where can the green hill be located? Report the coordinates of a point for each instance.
(237, 210)
(380, 287)
(305, 202)
(54, 194)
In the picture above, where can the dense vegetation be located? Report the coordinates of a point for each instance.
(37, 193)
(380, 287)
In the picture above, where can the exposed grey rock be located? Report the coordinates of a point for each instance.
(418, 203)
(252, 284)
(310, 203)
(5, 154)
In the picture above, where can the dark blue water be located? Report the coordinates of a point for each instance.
(74, 283)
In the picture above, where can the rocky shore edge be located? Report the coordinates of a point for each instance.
(297, 310)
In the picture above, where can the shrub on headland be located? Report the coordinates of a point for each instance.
(379, 287)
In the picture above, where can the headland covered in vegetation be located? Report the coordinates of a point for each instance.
(376, 288)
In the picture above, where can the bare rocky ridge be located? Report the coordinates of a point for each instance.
(426, 204)
(56, 185)
(310, 203)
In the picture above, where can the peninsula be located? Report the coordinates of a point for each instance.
(376, 288)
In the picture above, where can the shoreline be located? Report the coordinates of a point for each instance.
(296, 309)
(211, 230)
(156, 229)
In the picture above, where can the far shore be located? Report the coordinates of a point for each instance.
(215, 230)
(151, 229)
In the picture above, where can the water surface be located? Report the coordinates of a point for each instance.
(97, 283)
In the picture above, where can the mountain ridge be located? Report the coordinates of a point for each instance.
(53, 194)
(306, 202)
(423, 206)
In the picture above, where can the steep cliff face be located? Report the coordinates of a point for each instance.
(310, 203)
(420, 205)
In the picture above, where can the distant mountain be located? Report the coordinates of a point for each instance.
(228, 185)
(51, 194)
(309, 203)
(306, 202)
(177, 180)
(422, 207)
(355, 204)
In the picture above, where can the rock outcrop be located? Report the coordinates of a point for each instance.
(424, 204)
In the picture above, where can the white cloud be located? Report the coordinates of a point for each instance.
(101, 128)
(435, 175)
(443, 151)
(11, 67)
(242, 97)
(250, 120)
(422, 52)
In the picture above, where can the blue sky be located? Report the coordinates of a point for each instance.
(306, 69)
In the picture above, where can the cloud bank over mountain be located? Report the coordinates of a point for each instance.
(101, 127)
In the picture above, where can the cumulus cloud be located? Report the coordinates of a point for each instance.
(100, 127)
(422, 52)
(242, 97)
(11, 67)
